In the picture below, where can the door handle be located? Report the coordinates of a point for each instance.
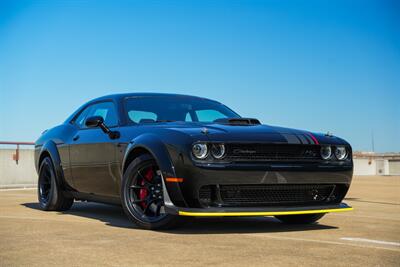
(76, 137)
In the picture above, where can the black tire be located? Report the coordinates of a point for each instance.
(50, 196)
(300, 219)
(145, 211)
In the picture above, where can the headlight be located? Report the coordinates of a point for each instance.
(326, 152)
(200, 150)
(341, 153)
(218, 151)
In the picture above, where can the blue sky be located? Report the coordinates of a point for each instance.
(317, 65)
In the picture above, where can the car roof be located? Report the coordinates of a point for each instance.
(119, 97)
(126, 95)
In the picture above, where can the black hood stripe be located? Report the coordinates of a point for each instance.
(303, 139)
(291, 138)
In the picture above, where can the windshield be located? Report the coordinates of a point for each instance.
(149, 109)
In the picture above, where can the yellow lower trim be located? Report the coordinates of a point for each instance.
(260, 213)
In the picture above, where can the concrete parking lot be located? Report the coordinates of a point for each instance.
(96, 234)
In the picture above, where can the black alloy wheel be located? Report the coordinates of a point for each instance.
(50, 194)
(44, 183)
(143, 195)
(146, 193)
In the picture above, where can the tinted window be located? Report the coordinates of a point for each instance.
(179, 108)
(104, 109)
(80, 120)
(209, 115)
(188, 117)
(142, 116)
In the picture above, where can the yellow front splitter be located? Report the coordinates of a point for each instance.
(261, 213)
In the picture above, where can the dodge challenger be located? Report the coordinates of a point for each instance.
(165, 156)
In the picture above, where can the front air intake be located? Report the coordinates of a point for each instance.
(239, 195)
(238, 121)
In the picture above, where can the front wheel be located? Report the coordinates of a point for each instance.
(142, 195)
(300, 219)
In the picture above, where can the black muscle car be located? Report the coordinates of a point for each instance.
(164, 156)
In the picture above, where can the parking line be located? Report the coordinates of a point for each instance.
(365, 240)
(17, 189)
(365, 216)
(359, 245)
(47, 219)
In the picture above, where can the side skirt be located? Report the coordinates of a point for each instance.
(95, 198)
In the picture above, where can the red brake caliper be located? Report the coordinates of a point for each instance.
(143, 192)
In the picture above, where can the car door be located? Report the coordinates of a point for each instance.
(93, 153)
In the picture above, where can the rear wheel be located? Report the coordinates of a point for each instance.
(142, 195)
(50, 195)
(300, 219)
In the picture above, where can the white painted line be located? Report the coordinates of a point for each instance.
(364, 216)
(359, 245)
(47, 219)
(17, 189)
(355, 239)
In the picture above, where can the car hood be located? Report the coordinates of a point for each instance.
(251, 133)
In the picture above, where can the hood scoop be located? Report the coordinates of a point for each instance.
(238, 121)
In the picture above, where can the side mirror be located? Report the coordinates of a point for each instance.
(94, 121)
(98, 121)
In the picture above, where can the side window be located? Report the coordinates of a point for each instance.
(104, 109)
(188, 117)
(80, 120)
(209, 115)
(139, 116)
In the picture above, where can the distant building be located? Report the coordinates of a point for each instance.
(369, 163)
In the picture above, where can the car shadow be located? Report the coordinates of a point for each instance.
(114, 216)
(242, 225)
(109, 214)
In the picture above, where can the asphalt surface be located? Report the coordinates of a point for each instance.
(96, 234)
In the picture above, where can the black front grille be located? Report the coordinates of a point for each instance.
(205, 194)
(272, 152)
(269, 195)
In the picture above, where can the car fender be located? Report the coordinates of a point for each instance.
(50, 148)
(156, 147)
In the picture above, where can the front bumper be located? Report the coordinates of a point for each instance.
(186, 193)
(269, 211)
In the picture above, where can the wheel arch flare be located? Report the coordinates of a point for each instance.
(151, 144)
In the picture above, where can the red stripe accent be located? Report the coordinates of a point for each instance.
(314, 139)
